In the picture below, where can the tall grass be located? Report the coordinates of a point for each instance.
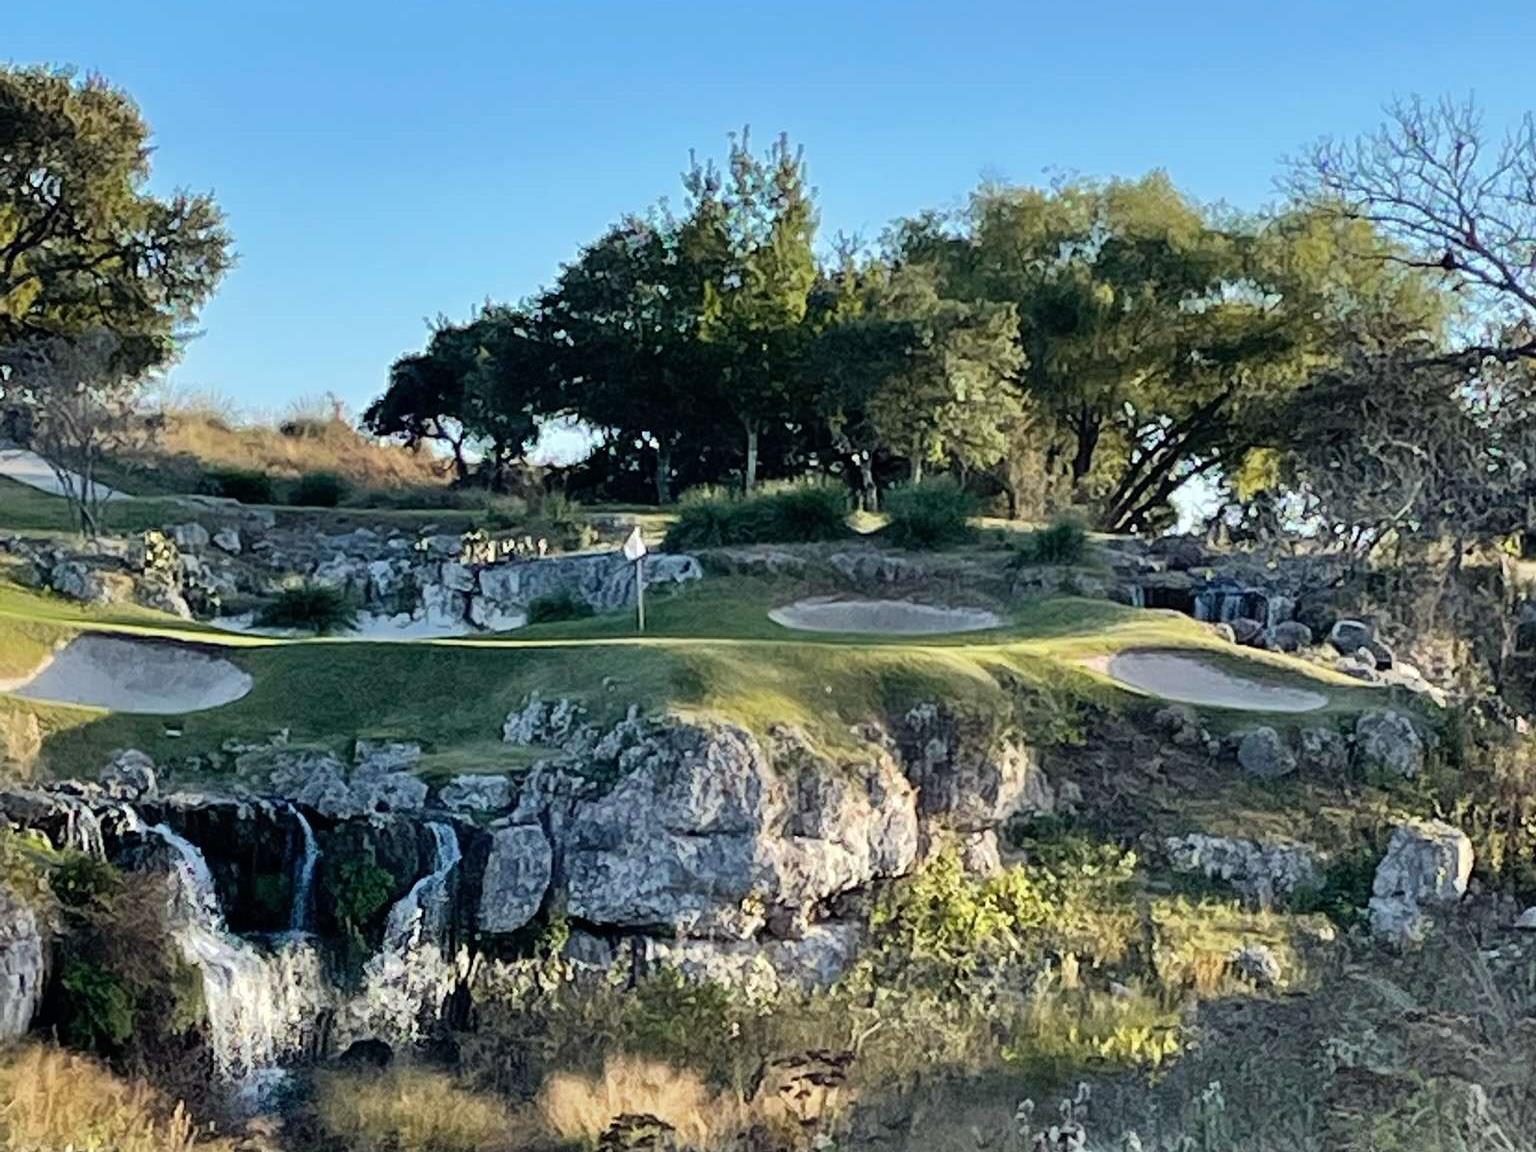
(929, 515)
(54, 1100)
(410, 1110)
(580, 1108)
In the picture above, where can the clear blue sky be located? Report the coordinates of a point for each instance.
(382, 163)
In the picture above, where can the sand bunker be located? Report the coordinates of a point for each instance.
(1191, 680)
(135, 676)
(883, 617)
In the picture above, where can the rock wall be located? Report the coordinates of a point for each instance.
(23, 965)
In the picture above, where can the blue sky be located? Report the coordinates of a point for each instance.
(383, 163)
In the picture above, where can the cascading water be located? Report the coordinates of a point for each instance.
(263, 1007)
(406, 983)
(304, 878)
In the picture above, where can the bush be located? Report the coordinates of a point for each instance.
(559, 606)
(790, 514)
(309, 607)
(246, 486)
(408, 1109)
(1064, 542)
(318, 490)
(560, 518)
(930, 514)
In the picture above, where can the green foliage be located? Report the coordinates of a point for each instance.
(930, 514)
(791, 513)
(245, 485)
(101, 1012)
(87, 245)
(1064, 542)
(565, 605)
(309, 607)
(318, 490)
(562, 519)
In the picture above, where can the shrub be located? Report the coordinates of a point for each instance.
(318, 490)
(561, 519)
(559, 606)
(789, 514)
(56, 1099)
(931, 514)
(409, 1110)
(244, 485)
(309, 607)
(1064, 542)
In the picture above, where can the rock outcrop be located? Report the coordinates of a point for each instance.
(1265, 873)
(1427, 865)
(23, 965)
(1387, 744)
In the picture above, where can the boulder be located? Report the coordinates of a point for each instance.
(1257, 965)
(1249, 633)
(1356, 669)
(517, 875)
(1264, 873)
(816, 960)
(386, 755)
(1348, 636)
(693, 829)
(1290, 636)
(970, 778)
(1428, 864)
(130, 776)
(23, 965)
(1322, 752)
(1181, 723)
(548, 723)
(1387, 744)
(1526, 921)
(80, 581)
(476, 794)
(1264, 754)
(228, 540)
(190, 537)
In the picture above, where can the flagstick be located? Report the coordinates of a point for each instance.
(640, 590)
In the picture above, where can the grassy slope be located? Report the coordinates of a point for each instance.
(711, 649)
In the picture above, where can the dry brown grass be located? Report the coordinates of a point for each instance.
(580, 1108)
(51, 1100)
(412, 1110)
(201, 439)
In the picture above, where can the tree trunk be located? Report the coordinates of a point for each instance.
(869, 492)
(663, 471)
(749, 474)
(916, 464)
(1088, 427)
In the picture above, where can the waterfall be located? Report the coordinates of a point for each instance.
(304, 881)
(421, 915)
(263, 1006)
(407, 982)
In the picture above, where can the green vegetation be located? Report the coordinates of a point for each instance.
(245, 485)
(782, 514)
(930, 514)
(309, 607)
(1064, 542)
(318, 490)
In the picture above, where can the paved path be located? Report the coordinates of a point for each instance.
(32, 470)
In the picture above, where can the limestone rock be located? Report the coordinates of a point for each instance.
(476, 794)
(23, 965)
(1290, 636)
(190, 537)
(1264, 754)
(1265, 873)
(1181, 723)
(517, 875)
(550, 723)
(1388, 744)
(1258, 965)
(968, 779)
(1428, 864)
(1323, 752)
(1349, 636)
(1526, 921)
(130, 776)
(228, 540)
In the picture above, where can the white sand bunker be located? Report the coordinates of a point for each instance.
(1191, 680)
(884, 617)
(135, 676)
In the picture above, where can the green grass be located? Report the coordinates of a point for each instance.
(709, 650)
(24, 509)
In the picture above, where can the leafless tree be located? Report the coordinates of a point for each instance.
(1458, 199)
(81, 407)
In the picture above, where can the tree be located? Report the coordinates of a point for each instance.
(83, 244)
(952, 396)
(624, 321)
(81, 406)
(755, 231)
(425, 399)
(1456, 202)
